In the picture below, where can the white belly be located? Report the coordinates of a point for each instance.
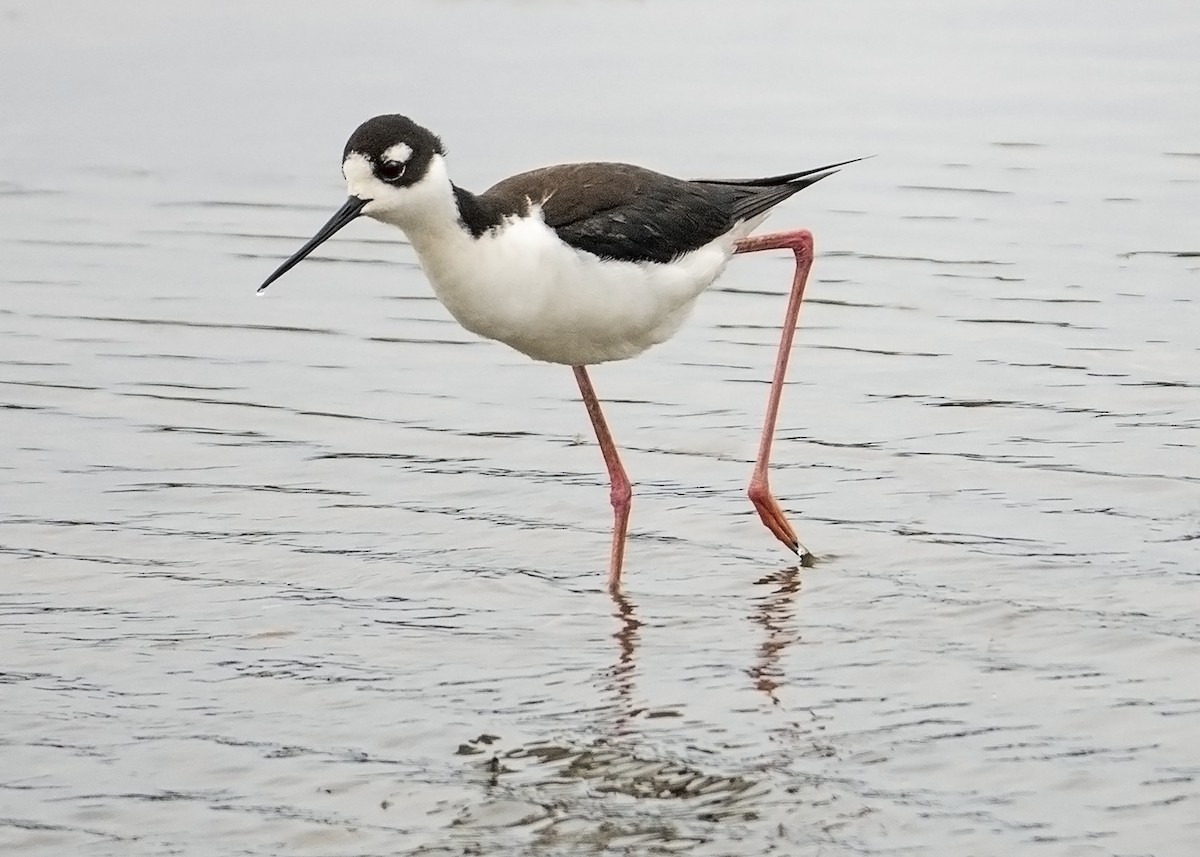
(521, 286)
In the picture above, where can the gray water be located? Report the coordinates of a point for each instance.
(319, 573)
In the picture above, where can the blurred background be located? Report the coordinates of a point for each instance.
(320, 573)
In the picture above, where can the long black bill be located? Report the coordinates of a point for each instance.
(352, 209)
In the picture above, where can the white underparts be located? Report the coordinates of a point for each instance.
(522, 286)
(519, 284)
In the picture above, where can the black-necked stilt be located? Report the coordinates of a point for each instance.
(576, 263)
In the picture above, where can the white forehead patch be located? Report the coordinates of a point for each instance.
(356, 168)
(400, 153)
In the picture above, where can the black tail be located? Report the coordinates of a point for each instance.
(757, 196)
(817, 173)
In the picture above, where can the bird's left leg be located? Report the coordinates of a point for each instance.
(800, 242)
(621, 493)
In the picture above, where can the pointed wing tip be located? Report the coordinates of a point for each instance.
(813, 176)
(803, 178)
(833, 168)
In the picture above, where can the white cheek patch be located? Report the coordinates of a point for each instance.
(400, 153)
(360, 180)
(356, 167)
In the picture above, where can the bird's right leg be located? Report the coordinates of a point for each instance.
(621, 493)
(800, 242)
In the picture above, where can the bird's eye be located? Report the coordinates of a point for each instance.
(391, 170)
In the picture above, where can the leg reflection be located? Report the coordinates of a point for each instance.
(623, 672)
(775, 613)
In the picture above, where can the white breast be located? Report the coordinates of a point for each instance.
(522, 286)
(519, 284)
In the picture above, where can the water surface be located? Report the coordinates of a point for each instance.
(320, 573)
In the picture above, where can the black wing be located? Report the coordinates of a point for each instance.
(628, 213)
(619, 211)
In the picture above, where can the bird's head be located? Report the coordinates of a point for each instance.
(394, 172)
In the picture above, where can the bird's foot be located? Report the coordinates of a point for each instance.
(772, 516)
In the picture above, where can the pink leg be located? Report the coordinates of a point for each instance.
(800, 242)
(621, 493)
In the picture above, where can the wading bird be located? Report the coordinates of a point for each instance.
(575, 264)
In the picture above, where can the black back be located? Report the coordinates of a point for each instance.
(629, 213)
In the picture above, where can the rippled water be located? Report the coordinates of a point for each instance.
(319, 573)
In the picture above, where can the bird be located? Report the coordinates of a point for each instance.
(576, 264)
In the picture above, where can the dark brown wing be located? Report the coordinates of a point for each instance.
(619, 211)
(629, 213)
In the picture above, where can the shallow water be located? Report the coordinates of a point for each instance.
(319, 573)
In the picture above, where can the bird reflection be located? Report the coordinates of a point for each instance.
(623, 672)
(775, 613)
